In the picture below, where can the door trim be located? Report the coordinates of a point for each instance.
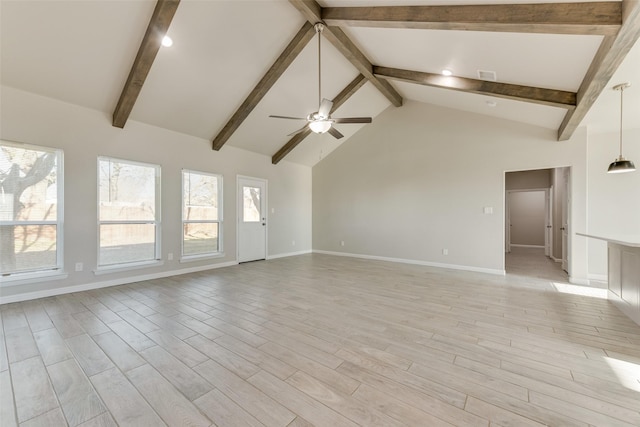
(239, 215)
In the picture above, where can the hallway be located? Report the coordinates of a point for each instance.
(532, 262)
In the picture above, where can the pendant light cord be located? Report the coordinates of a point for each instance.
(319, 30)
(621, 110)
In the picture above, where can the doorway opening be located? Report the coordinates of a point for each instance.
(537, 222)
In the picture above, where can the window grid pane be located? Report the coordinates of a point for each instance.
(34, 248)
(201, 213)
(200, 238)
(127, 191)
(127, 211)
(251, 211)
(30, 209)
(122, 243)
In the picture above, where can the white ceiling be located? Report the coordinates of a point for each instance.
(81, 52)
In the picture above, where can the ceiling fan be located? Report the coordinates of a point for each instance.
(321, 121)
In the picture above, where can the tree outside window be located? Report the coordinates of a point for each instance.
(30, 208)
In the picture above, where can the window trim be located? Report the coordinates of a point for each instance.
(220, 252)
(108, 268)
(44, 273)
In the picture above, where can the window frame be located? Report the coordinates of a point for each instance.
(44, 273)
(219, 221)
(157, 260)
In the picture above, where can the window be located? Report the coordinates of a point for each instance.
(201, 214)
(251, 205)
(128, 212)
(30, 209)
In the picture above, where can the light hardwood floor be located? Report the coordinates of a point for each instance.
(532, 262)
(320, 340)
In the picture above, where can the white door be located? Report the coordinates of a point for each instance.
(565, 220)
(252, 219)
(548, 235)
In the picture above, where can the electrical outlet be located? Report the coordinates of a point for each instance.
(293, 243)
(341, 242)
(445, 252)
(79, 266)
(170, 256)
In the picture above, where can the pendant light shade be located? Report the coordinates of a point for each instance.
(621, 165)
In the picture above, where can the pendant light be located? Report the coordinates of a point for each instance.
(621, 165)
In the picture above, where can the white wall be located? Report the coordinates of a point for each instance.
(528, 180)
(527, 211)
(84, 134)
(614, 199)
(416, 181)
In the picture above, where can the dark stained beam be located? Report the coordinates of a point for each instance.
(158, 26)
(313, 13)
(340, 99)
(555, 98)
(610, 55)
(290, 145)
(558, 18)
(293, 49)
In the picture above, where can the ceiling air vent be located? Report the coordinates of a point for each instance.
(487, 75)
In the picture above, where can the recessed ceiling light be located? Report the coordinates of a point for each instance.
(447, 72)
(166, 41)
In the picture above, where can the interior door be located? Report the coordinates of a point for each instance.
(252, 219)
(548, 235)
(565, 220)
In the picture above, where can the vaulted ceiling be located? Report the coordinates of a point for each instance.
(233, 63)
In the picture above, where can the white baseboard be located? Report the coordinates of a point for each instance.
(415, 262)
(578, 281)
(555, 259)
(527, 246)
(288, 254)
(602, 278)
(97, 285)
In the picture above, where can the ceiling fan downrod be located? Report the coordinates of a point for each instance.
(319, 27)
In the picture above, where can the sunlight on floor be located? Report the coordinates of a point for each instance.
(586, 291)
(628, 373)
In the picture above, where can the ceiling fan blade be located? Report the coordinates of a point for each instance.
(325, 107)
(299, 130)
(287, 117)
(353, 120)
(335, 133)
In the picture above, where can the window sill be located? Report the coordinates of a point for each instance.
(27, 278)
(126, 267)
(194, 258)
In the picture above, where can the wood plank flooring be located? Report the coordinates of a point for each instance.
(325, 341)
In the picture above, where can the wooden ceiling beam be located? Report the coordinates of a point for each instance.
(610, 55)
(312, 12)
(290, 53)
(558, 18)
(340, 99)
(551, 97)
(151, 42)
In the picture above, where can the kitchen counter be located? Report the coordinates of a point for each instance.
(623, 275)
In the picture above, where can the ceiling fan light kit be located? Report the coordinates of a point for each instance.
(621, 165)
(320, 126)
(321, 122)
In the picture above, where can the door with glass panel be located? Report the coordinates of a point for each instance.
(252, 219)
